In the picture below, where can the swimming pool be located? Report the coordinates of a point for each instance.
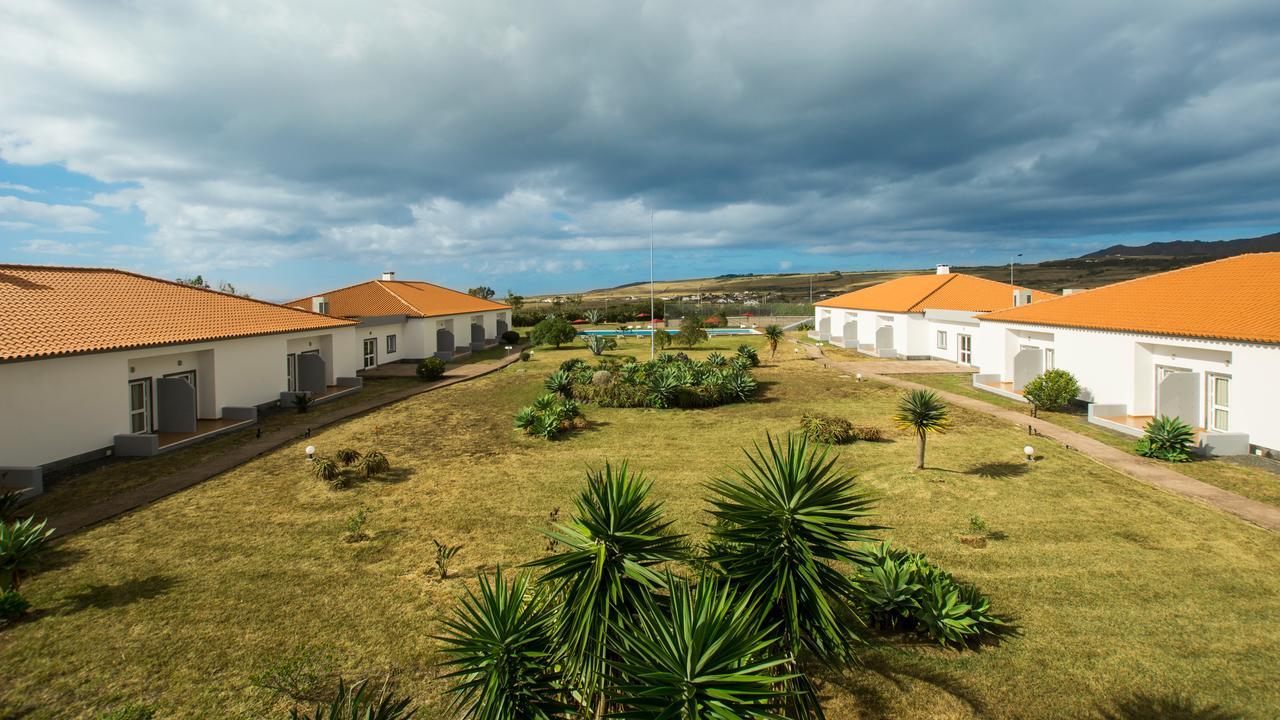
(646, 331)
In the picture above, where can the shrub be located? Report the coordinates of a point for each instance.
(431, 368)
(748, 352)
(303, 673)
(22, 546)
(900, 590)
(132, 711)
(1167, 438)
(826, 429)
(355, 526)
(600, 344)
(12, 606)
(691, 332)
(868, 433)
(661, 338)
(560, 383)
(327, 470)
(444, 553)
(525, 356)
(374, 463)
(510, 337)
(347, 456)
(360, 702)
(1051, 390)
(555, 331)
(549, 416)
(9, 503)
(302, 402)
(602, 378)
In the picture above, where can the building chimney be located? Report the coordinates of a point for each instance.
(320, 305)
(944, 269)
(1021, 296)
(1072, 291)
(389, 275)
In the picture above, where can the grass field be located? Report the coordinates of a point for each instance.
(1130, 601)
(1250, 482)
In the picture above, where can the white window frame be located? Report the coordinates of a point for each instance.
(1050, 360)
(942, 340)
(291, 372)
(391, 344)
(1213, 407)
(145, 411)
(369, 350)
(964, 355)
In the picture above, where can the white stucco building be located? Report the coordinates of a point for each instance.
(98, 361)
(401, 320)
(1201, 343)
(918, 316)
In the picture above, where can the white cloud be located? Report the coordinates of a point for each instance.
(15, 187)
(63, 218)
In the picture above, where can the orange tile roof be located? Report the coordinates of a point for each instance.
(414, 298)
(917, 293)
(1236, 298)
(50, 311)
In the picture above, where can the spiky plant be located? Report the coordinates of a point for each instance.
(774, 334)
(593, 316)
(703, 653)
(360, 702)
(347, 456)
(749, 354)
(781, 522)
(500, 648)
(610, 547)
(738, 386)
(22, 543)
(9, 500)
(599, 344)
(1167, 438)
(922, 412)
(374, 463)
(525, 418)
(326, 469)
(560, 383)
(716, 359)
(302, 401)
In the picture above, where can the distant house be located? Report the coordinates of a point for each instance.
(402, 320)
(1201, 343)
(918, 316)
(96, 361)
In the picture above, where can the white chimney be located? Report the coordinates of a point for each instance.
(320, 305)
(1021, 296)
(1072, 291)
(944, 269)
(389, 275)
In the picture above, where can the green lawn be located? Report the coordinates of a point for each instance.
(1123, 593)
(1251, 482)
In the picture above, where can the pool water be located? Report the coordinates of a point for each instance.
(646, 332)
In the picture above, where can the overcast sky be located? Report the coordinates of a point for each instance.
(293, 146)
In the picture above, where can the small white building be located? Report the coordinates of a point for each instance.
(916, 317)
(408, 320)
(97, 361)
(1201, 343)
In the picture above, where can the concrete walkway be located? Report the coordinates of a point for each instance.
(73, 520)
(1147, 471)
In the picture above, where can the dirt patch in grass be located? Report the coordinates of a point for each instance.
(1121, 591)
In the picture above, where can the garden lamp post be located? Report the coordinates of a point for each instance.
(859, 377)
(508, 349)
(1030, 452)
(311, 452)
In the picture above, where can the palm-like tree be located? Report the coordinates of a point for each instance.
(774, 334)
(922, 412)
(500, 647)
(782, 523)
(613, 542)
(360, 702)
(704, 653)
(22, 542)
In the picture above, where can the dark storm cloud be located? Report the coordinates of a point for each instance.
(471, 128)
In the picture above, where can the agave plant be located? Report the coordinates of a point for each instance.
(774, 335)
(9, 502)
(374, 463)
(525, 418)
(716, 359)
(1167, 438)
(22, 543)
(501, 651)
(738, 386)
(544, 403)
(360, 702)
(780, 523)
(560, 383)
(611, 545)
(546, 425)
(600, 344)
(663, 386)
(701, 654)
(593, 316)
(749, 354)
(922, 412)
(347, 456)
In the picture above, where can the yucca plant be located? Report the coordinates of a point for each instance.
(347, 456)
(360, 702)
(774, 335)
(374, 463)
(922, 412)
(781, 522)
(1167, 438)
(22, 543)
(326, 469)
(9, 502)
(302, 402)
(610, 547)
(703, 653)
(560, 383)
(500, 648)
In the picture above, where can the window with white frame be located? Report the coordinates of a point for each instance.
(391, 344)
(942, 339)
(1049, 362)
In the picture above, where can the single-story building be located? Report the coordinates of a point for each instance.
(95, 361)
(408, 320)
(916, 317)
(1201, 343)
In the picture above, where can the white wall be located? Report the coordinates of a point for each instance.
(380, 333)
(58, 408)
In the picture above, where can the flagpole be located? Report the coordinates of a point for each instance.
(653, 322)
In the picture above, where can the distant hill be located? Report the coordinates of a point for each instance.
(1187, 248)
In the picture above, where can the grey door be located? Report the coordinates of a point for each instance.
(1027, 366)
(1178, 394)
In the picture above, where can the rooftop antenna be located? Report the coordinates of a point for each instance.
(653, 323)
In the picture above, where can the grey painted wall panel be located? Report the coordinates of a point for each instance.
(176, 405)
(311, 373)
